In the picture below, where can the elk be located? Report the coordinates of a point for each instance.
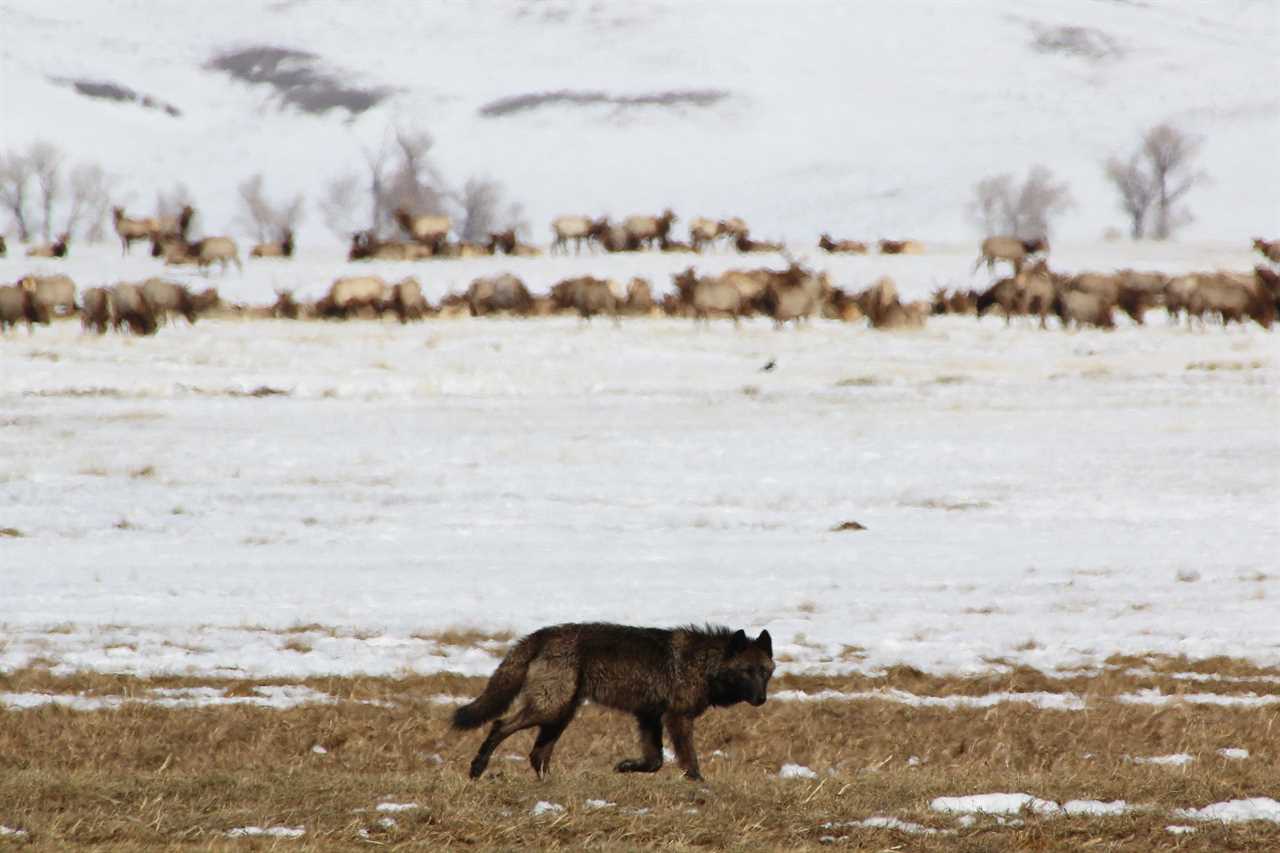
(131, 230)
(430, 230)
(848, 247)
(282, 248)
(575, 228)
(56, 249)
(649, 230)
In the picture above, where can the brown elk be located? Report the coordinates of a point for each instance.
(431, 230)
(285, 307)
(56, 249)
(1001, 248)
(575, 228)
(501, 294)
(848, 247)
(744, 243)
(708, 297)
(168, 298)
(901, 247)
(794, 295)
(649, 230)
(407, 301)
(1269, 248)
(19, 305)
(282, 248)
(639, 297)
(703, 232)
(131, 309)
(1082, 308)
(352, 294)
(503, 242)
(55, 294)
(587, 295)
(131, 230)
(95, 310)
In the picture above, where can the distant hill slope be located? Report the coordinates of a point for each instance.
(867, 119)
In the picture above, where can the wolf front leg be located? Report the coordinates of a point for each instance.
(650, 745)
(681, 728)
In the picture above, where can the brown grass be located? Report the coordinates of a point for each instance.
(143, 776)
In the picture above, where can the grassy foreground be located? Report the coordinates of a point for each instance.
(142, 776)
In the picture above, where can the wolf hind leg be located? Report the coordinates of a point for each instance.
(650, 745)
(500, 731)
(548, 734)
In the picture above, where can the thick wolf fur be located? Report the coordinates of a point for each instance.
(665, 677)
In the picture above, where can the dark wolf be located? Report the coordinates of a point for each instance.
(665, 677)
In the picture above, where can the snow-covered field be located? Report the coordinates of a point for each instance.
(872, 119)
(1035, 497)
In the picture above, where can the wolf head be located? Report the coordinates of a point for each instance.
(744, 671)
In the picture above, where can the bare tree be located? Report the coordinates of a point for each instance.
(45, 160)
(1169, 152)
(338, 206)
(89, 201)
(1027, 211)
(1154, 180)
(414, 183)
(1136, 190)
(479, 200)
(15, 191)
(170, 203)
(266, 220)
(990, 206)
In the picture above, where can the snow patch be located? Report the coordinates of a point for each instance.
(1235, 811)
(1048, 701)
(1232, 753)
(994, 804)
(1179, 759)
(796, 771)
(267, 832)
(545, 807)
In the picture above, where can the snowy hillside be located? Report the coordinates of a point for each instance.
(869, 119)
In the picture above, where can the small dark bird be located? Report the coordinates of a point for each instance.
(770, 365)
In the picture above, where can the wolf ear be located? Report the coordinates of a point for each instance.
(765, 642)
(738, 643)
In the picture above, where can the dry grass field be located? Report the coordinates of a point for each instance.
(375, 763)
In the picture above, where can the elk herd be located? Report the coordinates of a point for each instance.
(793, 295)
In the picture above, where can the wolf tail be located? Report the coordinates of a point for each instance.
(505, 683)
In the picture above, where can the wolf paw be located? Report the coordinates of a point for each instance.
(637, 765)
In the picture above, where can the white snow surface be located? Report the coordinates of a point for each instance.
(994, 804)
(1030, 497)
(267, 832)
(1154, 696)
(870, 119)
(279, 697)
(796, 771)
(545, 807)
(1233, 753)
(1178, 759)
(1048, 701)
(1236, 811)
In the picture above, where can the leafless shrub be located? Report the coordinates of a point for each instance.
(482, 211)
(15, 191)
(265, 219)
(339, 204)
(45, 160)
(1000, 206)
(536, 100)
(1136, 190)
(1155, 179)
(89, 201)
(42, 198)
